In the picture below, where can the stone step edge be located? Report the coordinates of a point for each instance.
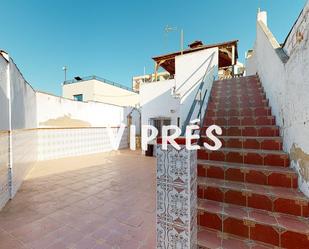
(204, 245)
(244, 150)
(201, 181)
(255, 167)
(252, 220)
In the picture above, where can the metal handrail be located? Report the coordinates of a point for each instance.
(198, 81)
(195, 100)
(202, 122)
(94, 77)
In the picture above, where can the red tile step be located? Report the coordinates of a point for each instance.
(222, 105)
(236, 101)
(244, 120)
(274, 199)
(213, 239)
(258, 143)
(235, 98)
(273, 229)
(248, 156)
(235, 83)
(247, 130)
(248, 173)
(237, 87)
(228, 112)
(237, 90)
(238, 95)
(252, 93)
(222, 93)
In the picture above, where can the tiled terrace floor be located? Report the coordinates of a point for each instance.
(91, 202)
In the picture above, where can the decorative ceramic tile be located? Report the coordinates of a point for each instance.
(178, 205)
(176, 198)
(178, 170)
(58, 143)
(170, 236)
(161, 201)
(4, 156)
(24, 144)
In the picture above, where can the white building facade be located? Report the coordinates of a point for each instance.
(94, 88)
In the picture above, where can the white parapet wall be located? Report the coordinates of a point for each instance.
(54, 111)
(284, 73)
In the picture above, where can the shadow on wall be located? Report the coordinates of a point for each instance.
(65, 122)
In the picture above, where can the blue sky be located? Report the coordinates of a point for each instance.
(116, 39)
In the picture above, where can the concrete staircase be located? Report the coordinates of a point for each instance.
(247, 194)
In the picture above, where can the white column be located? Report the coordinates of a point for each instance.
(176, 198)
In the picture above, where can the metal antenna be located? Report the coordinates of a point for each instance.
(65, 68)
(167, 30)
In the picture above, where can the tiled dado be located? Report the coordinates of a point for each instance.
(59, 143)
(25, 152)
(4, 171)
(176, 198)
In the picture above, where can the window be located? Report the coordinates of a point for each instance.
(78, 97)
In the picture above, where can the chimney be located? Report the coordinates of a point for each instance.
(262, 16)
(195, 44)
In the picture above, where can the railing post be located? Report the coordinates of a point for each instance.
(176, 198)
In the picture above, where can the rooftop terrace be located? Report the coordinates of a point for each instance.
(84, 202)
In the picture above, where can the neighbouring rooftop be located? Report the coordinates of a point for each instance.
(78, 79)
(228, 54)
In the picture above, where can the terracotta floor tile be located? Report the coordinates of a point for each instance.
(68, 202)
(36, 229)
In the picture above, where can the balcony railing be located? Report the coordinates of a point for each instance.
(93, 77)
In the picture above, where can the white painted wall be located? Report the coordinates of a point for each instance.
(23, 100)
(4, 101)
(156, 101)
(161, 100)
(95, 90)
(190, 69)
(53, 111)
(4, 127)
(286, 83)
(251, 65)
(190, 72)
(299, 33)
